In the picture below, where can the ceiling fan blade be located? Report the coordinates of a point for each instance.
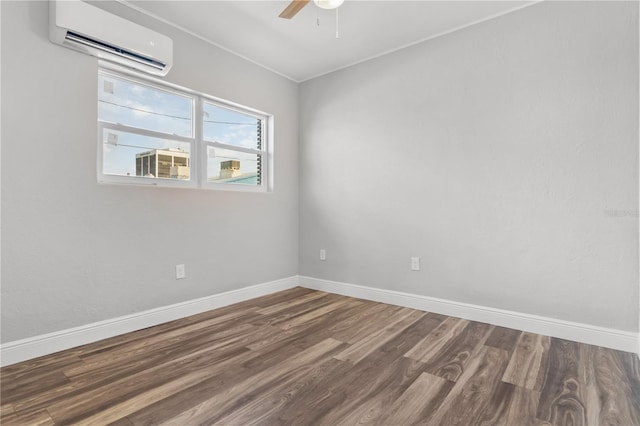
(294, 7)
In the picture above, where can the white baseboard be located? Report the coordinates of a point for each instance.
(617, 339)
(33, 347)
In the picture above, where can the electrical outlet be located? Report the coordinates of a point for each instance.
(180, 272)
(415, 263)
(323, 254)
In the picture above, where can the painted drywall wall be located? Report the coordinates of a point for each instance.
(76, 252)
(504, 155)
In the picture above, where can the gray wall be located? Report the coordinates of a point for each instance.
(505, 155)
(75, 252)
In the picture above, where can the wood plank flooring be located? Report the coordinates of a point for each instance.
(304, 357)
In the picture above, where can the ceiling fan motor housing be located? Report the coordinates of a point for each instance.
(328, 4)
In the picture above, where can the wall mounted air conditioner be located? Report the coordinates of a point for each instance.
(91, 30)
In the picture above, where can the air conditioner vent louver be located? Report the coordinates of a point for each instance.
(78, 38)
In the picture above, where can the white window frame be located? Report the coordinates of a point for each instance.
(263, 152)
(198, 145)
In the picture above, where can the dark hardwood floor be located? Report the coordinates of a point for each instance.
(303, 357)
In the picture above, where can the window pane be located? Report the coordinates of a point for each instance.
(129, 154)
(137, 105)
(231, 127)
(228, 166)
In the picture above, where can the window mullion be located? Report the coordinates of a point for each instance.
(200, 150)
(144, 132)
(235, 148)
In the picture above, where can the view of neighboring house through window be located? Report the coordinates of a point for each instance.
(149, 134)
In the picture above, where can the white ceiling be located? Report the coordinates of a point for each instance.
(301, 49)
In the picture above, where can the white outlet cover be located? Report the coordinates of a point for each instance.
(180, 272)
(415, 263)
